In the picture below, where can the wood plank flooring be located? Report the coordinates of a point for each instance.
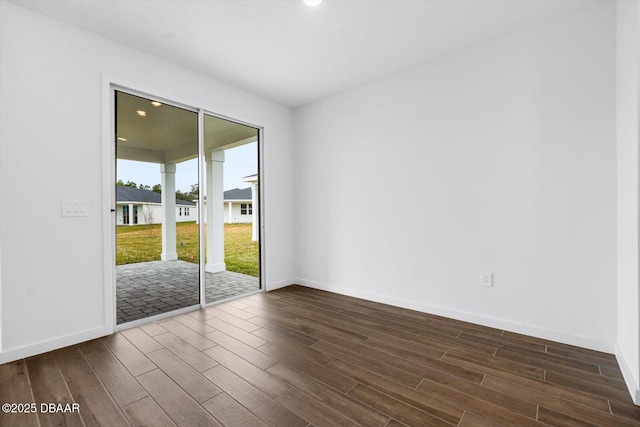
(302, 357)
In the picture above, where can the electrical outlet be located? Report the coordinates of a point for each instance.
(486, 278)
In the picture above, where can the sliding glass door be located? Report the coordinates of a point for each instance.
(187, 208)
(232, 220)
(157, 239)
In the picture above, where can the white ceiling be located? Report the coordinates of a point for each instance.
(292, 53)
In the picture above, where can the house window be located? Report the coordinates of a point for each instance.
(125, 214)
(246, 209)
(186, 211)
(180, 214)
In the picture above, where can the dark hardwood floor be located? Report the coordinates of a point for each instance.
(299, 357)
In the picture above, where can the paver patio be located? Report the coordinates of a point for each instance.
(150, 288)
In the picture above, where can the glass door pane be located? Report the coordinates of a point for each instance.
(232, 221)
(157, 238)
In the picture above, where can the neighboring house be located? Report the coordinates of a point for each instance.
(137, 206)
(238, 206)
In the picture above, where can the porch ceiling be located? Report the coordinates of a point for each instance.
(168, 134)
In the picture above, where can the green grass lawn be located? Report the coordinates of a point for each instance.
(142, 243)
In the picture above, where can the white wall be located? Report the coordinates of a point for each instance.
(507, 151)
(0, 295)
(235, 216)
(234, 213)
(51, 111)
(628, 96)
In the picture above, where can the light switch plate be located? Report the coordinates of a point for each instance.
(75, 208)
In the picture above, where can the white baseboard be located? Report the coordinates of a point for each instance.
(632, 385)
(9, 355)
(272, 286)
(479, 319)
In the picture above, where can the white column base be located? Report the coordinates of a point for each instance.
(169, 257)
(215, 268)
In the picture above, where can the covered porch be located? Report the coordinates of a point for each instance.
(150, 288)
(153, 132)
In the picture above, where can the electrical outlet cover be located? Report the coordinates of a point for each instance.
(486, 278)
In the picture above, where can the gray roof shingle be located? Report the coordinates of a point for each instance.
(130, 194)
(238, 194)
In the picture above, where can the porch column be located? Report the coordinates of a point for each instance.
(255, 218)
(130, 213)
(168, 182)
(215, 213)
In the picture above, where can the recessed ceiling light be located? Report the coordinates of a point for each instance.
(122, 139)
(313, 2)
(156, 103)
(141, 113)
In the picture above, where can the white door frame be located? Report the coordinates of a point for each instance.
(109, 85)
